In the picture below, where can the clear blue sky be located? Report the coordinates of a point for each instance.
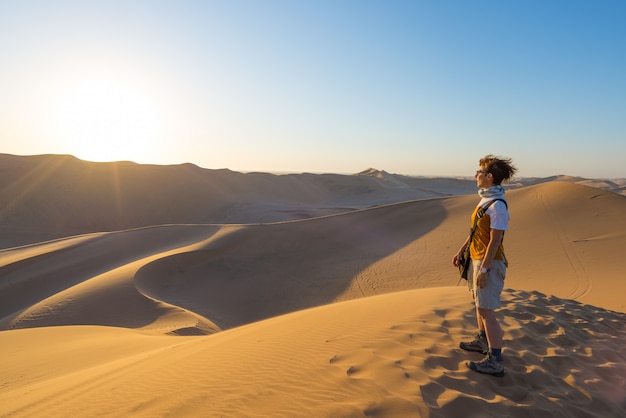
(412, 87)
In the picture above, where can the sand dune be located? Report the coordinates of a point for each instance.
(52, 196)
(392, 355)
(355, 313)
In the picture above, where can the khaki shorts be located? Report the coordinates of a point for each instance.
(489, 296)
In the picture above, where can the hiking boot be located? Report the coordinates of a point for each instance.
(479, 344)
(489, 365)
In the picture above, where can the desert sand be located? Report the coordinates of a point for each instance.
(149, 291)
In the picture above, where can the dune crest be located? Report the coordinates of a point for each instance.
(54, 196)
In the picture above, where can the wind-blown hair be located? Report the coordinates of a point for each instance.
(502, 169)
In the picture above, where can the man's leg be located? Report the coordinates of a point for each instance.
(487, 300)
(492, 363)
(492, 328)
(480, 320)
(479, 343)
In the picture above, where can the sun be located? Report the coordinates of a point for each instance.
(107, 120)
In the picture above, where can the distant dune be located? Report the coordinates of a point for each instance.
(54, 196)
(134, 290)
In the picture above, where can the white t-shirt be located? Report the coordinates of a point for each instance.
(498, 213)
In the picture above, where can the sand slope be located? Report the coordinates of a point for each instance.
(236, 274)
(387, 356)
(349, 314)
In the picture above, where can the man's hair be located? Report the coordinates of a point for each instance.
(501, 169)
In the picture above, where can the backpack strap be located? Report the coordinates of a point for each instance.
(480, 213)
(483, 209)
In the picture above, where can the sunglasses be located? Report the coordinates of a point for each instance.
(481, 171)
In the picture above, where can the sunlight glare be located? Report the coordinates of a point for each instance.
(105, 120)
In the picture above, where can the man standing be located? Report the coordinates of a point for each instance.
(488, 263)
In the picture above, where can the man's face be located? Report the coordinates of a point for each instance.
(484, 179)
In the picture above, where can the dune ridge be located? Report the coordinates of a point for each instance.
(54, 196)
(353, 313)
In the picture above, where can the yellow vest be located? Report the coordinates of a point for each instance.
(482, 235)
